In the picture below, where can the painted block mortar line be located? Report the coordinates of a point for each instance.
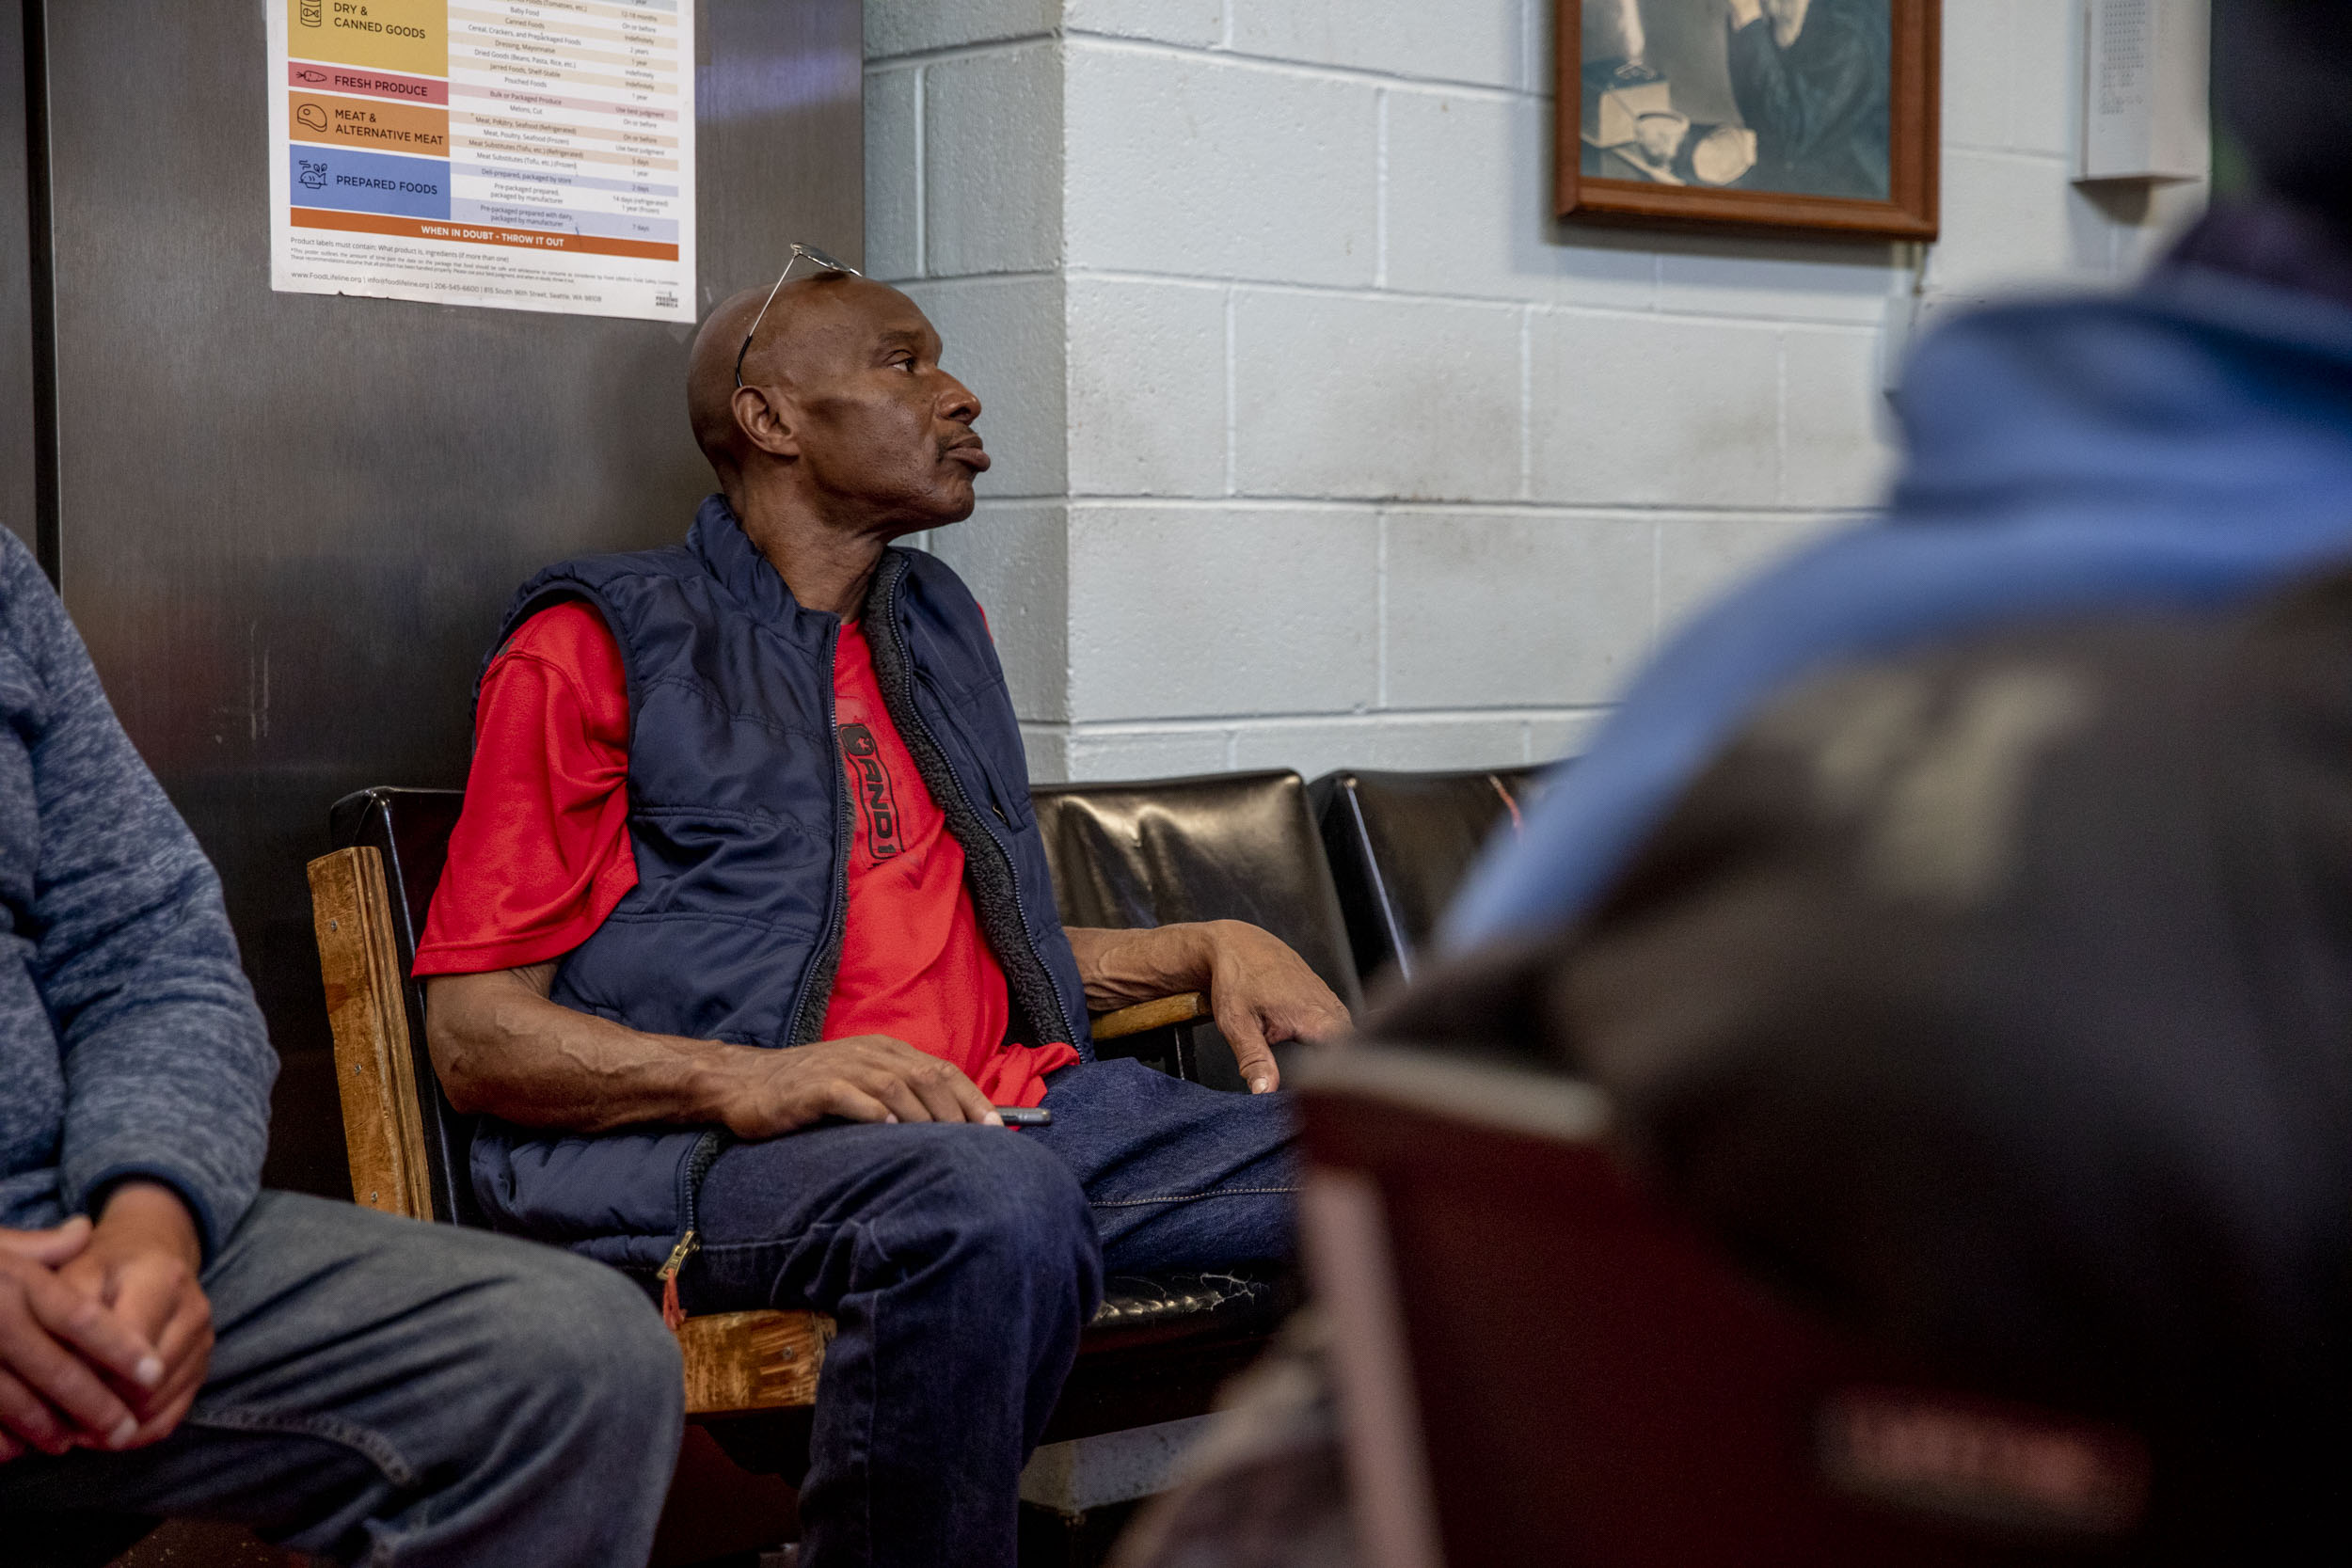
(1078, 272)
(1112, 732)
(922, 191)
(1202, 723)
(1527, 403)
(2012, 154)
(1289, 286)
(1563, 511)
(1233, 395)
(1277, 286)
(1380, 190)
(1780, 411)
(1439, 91)
(2005, 149)
(1656, 583)
(1690, 317)
(982, 279)
(965, 51)
(1224, 54)
(1380, 614)
(1274, 65)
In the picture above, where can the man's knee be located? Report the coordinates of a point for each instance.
(577, 1335)
(1012, 1200)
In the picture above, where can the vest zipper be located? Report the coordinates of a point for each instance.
(699, 1160)
(1012, 877)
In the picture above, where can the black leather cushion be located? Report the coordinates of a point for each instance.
(1220, 846)
(1399, 845)
(411, 829)
(1140, 1308)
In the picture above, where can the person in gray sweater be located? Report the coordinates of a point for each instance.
(173, 1340)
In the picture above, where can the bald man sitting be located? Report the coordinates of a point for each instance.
(765, 790)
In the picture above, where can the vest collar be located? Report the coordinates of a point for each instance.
(726, 552)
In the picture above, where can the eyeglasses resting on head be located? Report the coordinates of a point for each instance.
(800, 253)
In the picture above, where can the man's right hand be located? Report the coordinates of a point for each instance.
(58, 1347)
(500, 1045)
(864, 1078)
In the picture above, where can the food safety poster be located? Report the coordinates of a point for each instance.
(528, 155)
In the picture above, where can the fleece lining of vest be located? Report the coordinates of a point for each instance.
(808, 1026)
(996, 893)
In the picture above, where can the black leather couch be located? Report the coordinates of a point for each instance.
(1400, 843)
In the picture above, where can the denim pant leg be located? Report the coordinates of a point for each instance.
(394, 1393)
(959, 1264)
(1179, 1176)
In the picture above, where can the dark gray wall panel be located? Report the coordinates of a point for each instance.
(17, 490)
(290, 522)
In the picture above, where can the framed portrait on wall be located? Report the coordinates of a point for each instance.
(1817, 115)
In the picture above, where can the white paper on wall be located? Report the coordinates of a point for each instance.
(531, 154)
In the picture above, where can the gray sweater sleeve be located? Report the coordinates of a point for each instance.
(168, 1067)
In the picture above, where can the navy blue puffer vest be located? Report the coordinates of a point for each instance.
(739, 816)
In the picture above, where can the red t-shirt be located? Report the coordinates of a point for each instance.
(541, 853)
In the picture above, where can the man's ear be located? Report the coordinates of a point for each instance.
(769, 423)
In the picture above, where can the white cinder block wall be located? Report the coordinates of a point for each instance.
(1318, 443)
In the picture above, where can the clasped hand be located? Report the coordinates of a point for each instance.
(105, 1331)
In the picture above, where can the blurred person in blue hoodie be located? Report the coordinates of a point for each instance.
(2186, 444)
(1958, 916)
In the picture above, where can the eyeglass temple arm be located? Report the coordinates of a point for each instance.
(799, 251)
(746, 347)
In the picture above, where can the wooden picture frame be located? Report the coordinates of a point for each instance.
(1908, 212)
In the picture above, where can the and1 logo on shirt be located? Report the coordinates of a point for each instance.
(873, 790)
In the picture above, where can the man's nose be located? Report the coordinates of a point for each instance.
(959, 403)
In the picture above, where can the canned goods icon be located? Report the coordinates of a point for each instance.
(311, 12)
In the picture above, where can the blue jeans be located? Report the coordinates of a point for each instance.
(393, 1393)
(959, 1264)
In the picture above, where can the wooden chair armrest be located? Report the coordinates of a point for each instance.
(351, 915)
(734, 1361)
(1158, 1013)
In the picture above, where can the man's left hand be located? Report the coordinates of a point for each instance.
(1260, 993)
(142, 1263)
(1264, 993)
